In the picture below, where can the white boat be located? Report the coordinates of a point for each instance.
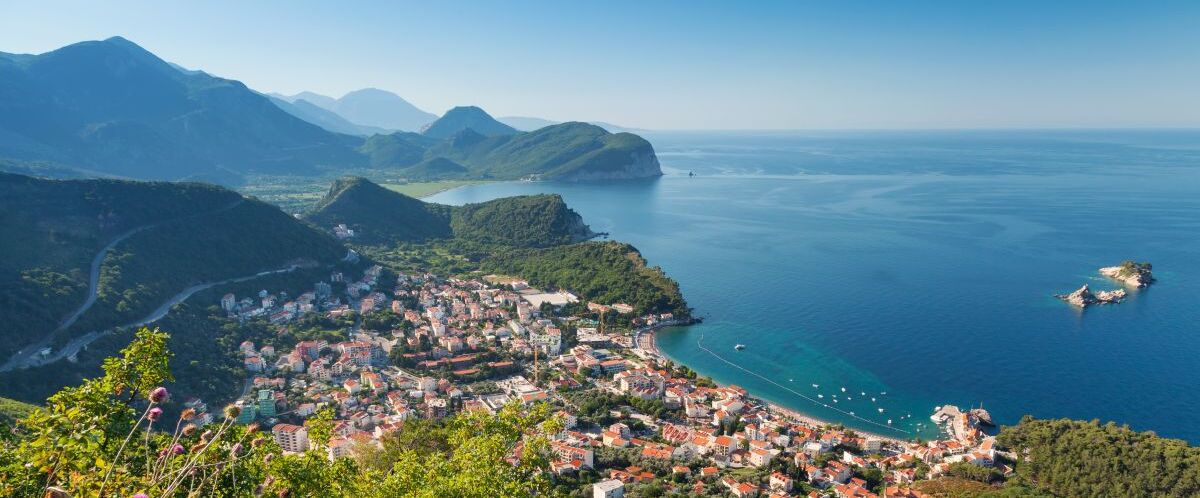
(889, 421)
(820, 395)
(816, 386)
(872, 400)
(740, 347)
(843, 389)
(881, 411)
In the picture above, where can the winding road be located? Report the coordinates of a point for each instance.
(72, 348)
(27, 355)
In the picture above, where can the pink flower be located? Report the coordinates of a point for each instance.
(177, 449)
(154, 414)
(159, 394)
(140, 495)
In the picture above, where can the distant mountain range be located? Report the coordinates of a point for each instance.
(325, 118)
(111, 108)
(370, 107)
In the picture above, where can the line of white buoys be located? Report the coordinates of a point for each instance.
(699, 344)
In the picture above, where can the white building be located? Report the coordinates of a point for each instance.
(611, 488)
(293, 438)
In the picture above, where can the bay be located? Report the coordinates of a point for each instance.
(922, 265)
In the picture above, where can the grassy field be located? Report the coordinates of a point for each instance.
(297, 194)
(426, 189)
(293, 195)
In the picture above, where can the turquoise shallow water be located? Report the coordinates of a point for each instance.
(922, 265)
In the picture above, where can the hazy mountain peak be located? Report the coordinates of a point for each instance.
(463, 118)
(381, 108)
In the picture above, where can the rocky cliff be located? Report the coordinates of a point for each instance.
(1133, 274)
(1084, 297)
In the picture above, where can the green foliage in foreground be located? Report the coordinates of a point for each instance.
(91, 441)
(1082, 459)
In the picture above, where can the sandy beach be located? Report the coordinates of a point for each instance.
(646, 341)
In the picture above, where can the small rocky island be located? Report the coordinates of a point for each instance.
(1130, 273)
(1084, 297)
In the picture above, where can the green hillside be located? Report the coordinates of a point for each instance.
(523, 221)
(397, 150)
(437, 168)
(607, 272)
(13, 410)
(165, 237)
(380, 216)
(1076, 458)
(564, 151)
(567, 151)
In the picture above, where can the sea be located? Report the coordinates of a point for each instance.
(874, 276)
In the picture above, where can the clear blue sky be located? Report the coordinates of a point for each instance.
(686, 64)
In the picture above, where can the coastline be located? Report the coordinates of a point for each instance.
(645, 340)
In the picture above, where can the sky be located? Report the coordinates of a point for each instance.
(685, 64)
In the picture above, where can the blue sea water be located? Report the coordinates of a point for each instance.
(922, 264)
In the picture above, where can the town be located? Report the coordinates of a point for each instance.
(413, 345)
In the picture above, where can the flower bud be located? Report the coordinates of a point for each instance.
(154, 414)
(159, 394)
(189, 429)
(188, 414)
(232, 411)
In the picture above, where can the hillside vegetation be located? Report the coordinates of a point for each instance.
(1086, 459)
(13, 410)
(75, 445)
(606, 272)
(380, 216)
(568, 151)
(175, 235)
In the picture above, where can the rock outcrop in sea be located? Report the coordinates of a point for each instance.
(1130, 273)
(1084, 297)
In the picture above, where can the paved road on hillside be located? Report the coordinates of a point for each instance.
(22, 356)
(72, 348)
